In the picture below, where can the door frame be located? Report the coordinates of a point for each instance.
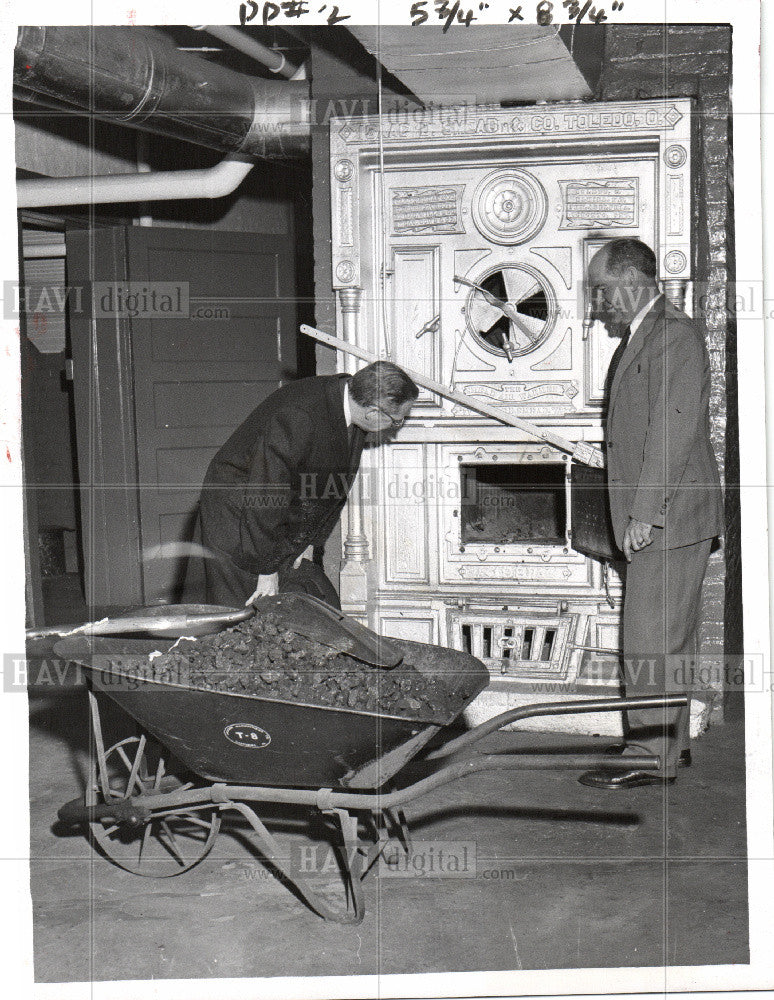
(103, 393)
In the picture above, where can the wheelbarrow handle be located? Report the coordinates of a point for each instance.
(556, 708)
(234, 796)
(502, 762)
(121, 811)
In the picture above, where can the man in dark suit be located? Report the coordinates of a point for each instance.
(664, 494)
(275, 490)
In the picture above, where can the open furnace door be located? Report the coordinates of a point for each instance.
(591, 527)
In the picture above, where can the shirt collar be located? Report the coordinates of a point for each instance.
(347, 410)
(635, 323)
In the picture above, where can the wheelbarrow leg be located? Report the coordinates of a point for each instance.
(389, 826)
(381, 841)
(397, 820)
(99, 746)
(273, 853)
(352, 861)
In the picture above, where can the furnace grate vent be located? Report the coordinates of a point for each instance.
(527, 647)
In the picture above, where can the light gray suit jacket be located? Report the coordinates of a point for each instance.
(660, 463)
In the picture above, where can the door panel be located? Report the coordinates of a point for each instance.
(193, 377)
(216, 403)
(197, 379)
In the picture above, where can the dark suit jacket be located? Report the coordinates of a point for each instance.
(280, 481)
(660, 462)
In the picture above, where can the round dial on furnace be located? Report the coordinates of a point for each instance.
(510, 310)
(510, 206)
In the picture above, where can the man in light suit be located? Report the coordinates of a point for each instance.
(664, 494)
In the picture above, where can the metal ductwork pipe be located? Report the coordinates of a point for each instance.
(134, 76)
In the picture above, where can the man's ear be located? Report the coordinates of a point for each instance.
(633, 276)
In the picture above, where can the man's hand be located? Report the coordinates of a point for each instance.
(308, 553)
(266, 587)
(637, 536)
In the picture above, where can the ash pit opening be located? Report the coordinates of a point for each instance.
(510, 503)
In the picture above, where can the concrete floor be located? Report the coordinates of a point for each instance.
(567, 877)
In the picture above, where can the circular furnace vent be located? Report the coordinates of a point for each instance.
(512, 310)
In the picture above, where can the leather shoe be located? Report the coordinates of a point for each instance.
(622, 779)
(684, 760)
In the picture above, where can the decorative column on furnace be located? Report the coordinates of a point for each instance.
(674, 290)
(353, 583)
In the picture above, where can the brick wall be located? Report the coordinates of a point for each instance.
(651, 61)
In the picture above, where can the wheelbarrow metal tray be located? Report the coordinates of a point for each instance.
(252, 739)
(244, 739)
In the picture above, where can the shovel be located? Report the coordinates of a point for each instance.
(314, 619)
(299, 613)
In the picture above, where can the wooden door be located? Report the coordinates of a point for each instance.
(209, 333)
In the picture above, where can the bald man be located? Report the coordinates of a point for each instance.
(664, 493)
(276, 488)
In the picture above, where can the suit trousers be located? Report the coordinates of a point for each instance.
(228, 585)
(662, 601)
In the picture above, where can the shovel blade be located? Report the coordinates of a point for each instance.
(316, 620)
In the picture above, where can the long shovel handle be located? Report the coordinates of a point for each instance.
(582, 451)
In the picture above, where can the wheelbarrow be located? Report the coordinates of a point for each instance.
(239, 751)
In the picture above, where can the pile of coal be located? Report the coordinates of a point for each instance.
(262, 657)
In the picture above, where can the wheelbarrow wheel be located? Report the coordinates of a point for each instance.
(169, 842)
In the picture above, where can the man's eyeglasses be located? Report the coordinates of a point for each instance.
(395, 423)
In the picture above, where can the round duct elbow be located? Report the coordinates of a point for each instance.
(281, 125)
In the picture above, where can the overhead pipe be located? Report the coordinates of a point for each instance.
(137, 77)
(163, 185)
(271, 59)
